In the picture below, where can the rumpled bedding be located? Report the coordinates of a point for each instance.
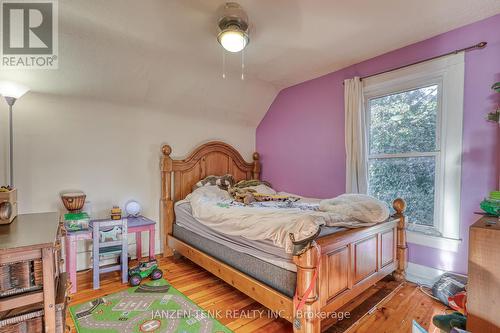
(274, 221)
(361, 207)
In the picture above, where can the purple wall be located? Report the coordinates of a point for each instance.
(301, 138)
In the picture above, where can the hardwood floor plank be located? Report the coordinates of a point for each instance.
(211, 293)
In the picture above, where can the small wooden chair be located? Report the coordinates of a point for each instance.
(101, 229)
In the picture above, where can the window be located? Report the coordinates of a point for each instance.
(403, 150)
(414, 129)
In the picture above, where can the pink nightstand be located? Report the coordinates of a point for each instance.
(135, 225)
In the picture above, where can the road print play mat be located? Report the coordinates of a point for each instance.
(154, 306)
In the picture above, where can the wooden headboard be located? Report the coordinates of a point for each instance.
(178, 176)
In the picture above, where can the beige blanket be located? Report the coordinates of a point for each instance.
(212, 207)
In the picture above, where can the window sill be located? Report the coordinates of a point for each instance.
(437, 242)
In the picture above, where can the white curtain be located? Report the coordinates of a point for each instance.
(355, 137)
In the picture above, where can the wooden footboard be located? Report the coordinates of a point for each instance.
(350, 262)
(331, 272)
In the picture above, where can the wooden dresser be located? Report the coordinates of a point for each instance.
(483, 291)
(32, 244)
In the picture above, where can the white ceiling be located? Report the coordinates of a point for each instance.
(164, 54)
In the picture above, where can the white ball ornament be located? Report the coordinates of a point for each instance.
(133, 208)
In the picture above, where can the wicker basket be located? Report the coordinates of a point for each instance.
(20, 277)
(29, 319)
(31, 322)
(38, 272)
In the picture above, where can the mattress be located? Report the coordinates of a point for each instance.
(261, 260)
(262, 249)
(280, 279)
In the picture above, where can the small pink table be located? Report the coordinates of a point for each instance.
(135, 225)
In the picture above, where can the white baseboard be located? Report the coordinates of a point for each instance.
(422, 275)
(442, 243)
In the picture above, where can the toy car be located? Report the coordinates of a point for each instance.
(143, 270)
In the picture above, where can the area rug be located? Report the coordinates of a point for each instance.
(154, 306)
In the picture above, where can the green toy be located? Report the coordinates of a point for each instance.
(76, 221)
(143, 270)
(491, 205)
(447, 322)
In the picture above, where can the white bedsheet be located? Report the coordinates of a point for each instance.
(211, 206)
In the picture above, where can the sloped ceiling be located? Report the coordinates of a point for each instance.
(164, 53)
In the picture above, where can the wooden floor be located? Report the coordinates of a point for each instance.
(210, 293)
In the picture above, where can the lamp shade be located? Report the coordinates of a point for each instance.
(12, 89)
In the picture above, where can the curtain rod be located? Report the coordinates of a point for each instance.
(480, 45)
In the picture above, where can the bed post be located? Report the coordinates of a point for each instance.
(399, 206)
(256, 166)
(306, 319)
(166, 203)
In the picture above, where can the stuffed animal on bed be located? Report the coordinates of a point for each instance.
(224, 182)
(244, 195)
(251, 183)
(242, 192)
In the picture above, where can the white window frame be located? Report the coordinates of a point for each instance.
(448, 73)
(436, 229)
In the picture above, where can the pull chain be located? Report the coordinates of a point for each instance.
(243, 64)
(223, 63)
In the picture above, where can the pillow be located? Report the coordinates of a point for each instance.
(223, 182)
(209, 193)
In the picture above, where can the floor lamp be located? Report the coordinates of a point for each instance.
(11, 92)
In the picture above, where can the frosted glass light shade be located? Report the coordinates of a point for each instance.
(233, 39)
(12, 89)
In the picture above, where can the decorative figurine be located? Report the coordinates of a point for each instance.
(113, 234)
(116, 213)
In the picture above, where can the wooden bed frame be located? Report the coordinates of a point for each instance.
(349, 262)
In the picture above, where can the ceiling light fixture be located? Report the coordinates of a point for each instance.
(233, 39)
(233, 28)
